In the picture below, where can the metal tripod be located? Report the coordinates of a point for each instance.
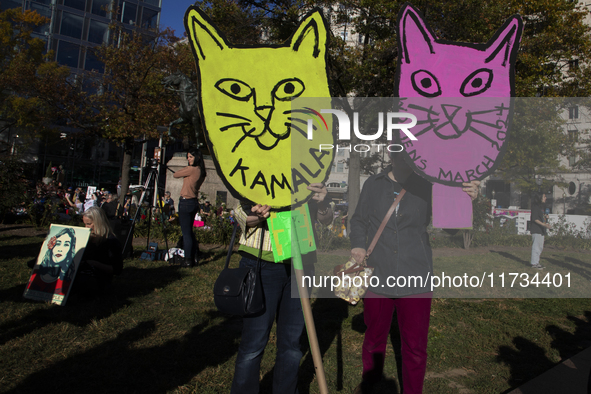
(151, 179)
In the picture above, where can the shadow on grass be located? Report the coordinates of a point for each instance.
(15, 228)
(569, 344)
(512, 257)
(124, 364)
(24, 250)
(527, 360)
(579, 267)
(132, 282)
(213, 254)
(329, 315)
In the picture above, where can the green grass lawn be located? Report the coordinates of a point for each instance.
(158, 331)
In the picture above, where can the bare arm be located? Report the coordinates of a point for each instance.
(539, 222)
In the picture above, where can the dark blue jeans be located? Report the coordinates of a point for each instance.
(188, 208)
(279, 305)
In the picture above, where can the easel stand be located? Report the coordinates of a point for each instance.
(151, 181)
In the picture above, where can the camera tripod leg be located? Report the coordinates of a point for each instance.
(152, 178)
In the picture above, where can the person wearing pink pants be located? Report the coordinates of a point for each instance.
(413, 323)
(403, 263)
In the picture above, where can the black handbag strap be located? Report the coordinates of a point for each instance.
(231, 248)
(261, 250)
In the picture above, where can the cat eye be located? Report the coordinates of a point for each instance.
(477, 82)
(234, 88)
(288, 89)
(425, 83)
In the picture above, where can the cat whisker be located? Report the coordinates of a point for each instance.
(301, 121)
(425, 130)
(233, 116)
(423, 109)
(427, 121)
(246, 134)
(302, 132)
(234, 125)
(296, 111)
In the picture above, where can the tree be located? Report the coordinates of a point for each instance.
(130, 100)
(37, 97)
(240, 23)
(537, 143)
(36, 94)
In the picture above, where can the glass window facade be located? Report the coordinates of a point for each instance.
(68, 54)
(98, 32)
(100, 7)
(8, 4)
(153, 2)
(77, 4)
(128, 12)
(149, 19)
(45, 11)
(71, 25)
(92, 63)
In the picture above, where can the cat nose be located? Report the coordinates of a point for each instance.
(457, 121)
(264, 112)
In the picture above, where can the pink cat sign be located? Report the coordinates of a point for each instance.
(461, 96)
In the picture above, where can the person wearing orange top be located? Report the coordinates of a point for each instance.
(193, 175)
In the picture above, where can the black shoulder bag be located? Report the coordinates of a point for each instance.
(239, 291)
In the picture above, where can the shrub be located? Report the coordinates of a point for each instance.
(217, 230)
(328, 237)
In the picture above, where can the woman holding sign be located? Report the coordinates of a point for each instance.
(402, 250)
(279, 303)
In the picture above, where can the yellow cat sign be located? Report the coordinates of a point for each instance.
(259, 145)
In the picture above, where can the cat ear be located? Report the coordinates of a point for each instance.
(504, 45)
(311, 36)
(205, 38)
(415, 38)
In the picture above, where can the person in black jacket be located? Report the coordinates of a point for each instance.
(103, 256)
(537, 229)
(402, 251)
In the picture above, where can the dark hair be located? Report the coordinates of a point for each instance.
(536, 198)
(198, 160)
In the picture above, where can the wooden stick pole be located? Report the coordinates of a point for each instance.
(307, 310)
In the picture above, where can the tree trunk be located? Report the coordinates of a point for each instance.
(467, 238)
(354, 181)
(126, 166)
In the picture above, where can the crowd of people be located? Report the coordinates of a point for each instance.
(71, 201)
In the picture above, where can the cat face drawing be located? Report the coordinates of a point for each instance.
(262, 156)
(461, 95)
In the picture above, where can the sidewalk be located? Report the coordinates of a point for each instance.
(569, 377)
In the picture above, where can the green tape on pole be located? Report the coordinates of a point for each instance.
(288, 228)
